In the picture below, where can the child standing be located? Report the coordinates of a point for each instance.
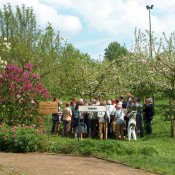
(132, 122)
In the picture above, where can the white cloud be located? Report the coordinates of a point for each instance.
(113, 18)
(120, 17)
(68, 25)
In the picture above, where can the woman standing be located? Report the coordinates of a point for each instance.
(78, 121)
(67, 116)
(119, 116)
(54, 116)
(103, 124)
(58, 119)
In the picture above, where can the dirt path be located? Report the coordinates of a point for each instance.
(49, 164)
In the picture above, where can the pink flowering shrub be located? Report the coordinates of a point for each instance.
(23, 138)
(20, 92)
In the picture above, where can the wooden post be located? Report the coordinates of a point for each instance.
(48, 108)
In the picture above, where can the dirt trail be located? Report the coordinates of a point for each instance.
(49, 164)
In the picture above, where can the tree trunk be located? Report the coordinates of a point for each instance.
(172, 128)
(172, 118)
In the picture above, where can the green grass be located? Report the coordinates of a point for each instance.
(1, 167)
(154, 153)
(157, 155)
(11, 171)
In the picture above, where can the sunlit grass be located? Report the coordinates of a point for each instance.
(1, 167)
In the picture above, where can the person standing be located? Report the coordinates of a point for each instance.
(58, 119)
(119, 117)
(72, 107)
(111, 114)
(132, 112)
(139, 118)
(97, 101)
(78, 121)
(54, 116)
(149, 113)
(103, 124)
(129, 100)
(92, 122)
(67, 117)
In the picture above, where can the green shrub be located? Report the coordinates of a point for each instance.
(64, 146)
(148, 151)
(90, 147)
(22, 139)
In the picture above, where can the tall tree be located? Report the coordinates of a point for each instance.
(86, 78)
(115, 51)
(165, 66)
(20, 30)
(28, 44)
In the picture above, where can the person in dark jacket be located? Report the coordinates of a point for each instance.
(149, 113)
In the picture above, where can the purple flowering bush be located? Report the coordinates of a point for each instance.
(20, 91)
(23, 138)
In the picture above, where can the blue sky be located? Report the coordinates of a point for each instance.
(90, 25)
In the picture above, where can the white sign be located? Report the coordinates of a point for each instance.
(92, 108)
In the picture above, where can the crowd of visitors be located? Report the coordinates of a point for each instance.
(122, 119)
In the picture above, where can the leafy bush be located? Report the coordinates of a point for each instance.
(20, 91)
(89, 147)
(22, 139)
(148, 151)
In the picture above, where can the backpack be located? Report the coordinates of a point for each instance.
(76, 113)
(92, 115)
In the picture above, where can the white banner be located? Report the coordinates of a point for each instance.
(92, 108)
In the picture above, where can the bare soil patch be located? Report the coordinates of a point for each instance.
(50, 164)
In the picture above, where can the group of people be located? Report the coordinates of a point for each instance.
(122, 118)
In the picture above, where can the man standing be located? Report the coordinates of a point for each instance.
(149, 113)
(139, 118)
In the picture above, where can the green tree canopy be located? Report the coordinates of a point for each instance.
(115, 51)
(28, 44)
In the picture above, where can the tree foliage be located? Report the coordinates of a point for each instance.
(21, 90)
(115, 51)
(28, 44)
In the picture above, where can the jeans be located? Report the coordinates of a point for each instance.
(92, 129)
(149, 126)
